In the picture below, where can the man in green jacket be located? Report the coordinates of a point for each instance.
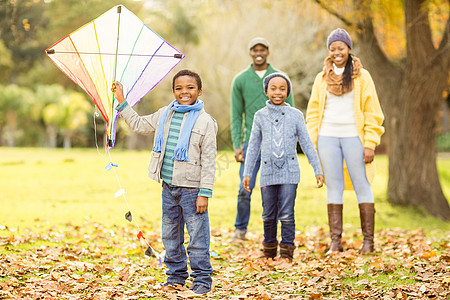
(247, 97)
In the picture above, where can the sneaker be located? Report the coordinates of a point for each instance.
(200, 289)
(239, 234)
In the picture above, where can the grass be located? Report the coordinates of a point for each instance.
(40, 188)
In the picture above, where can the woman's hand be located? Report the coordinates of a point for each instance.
(117, 89)
(319, 180)
(246, 183)
(369, 154)
(202, 204)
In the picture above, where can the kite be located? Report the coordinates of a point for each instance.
(115, 46)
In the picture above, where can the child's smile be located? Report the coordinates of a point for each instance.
(186, 90)
(277, 90)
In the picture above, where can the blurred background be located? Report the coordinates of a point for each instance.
(41, 107)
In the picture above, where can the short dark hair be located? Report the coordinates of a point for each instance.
(190, 73)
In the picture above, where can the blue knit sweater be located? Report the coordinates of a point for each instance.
(275, 132)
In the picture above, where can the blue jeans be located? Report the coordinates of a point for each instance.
(244, 197)
(278, 205)
(331, 152)
(179, 208)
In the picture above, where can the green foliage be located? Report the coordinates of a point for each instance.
(6, 63)
(443, 142)
(20, 23)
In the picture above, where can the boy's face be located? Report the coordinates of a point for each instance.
(186, 90)
(277, 90)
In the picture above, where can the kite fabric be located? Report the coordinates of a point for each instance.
(115, 46)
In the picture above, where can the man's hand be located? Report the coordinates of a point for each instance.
(369, 154)
(202, 204)
(239, 155)
(319, 180)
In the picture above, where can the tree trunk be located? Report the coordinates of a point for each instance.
(413, 120)
(52, 133)
(67, 141)
(11, 125)
(413, 176)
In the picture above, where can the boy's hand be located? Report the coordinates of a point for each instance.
(320, 180)
(239, 155)
(246, 183)
(202, 204)
(117, 89)
(369, 154)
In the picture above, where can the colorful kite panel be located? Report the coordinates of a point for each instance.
(115, 46)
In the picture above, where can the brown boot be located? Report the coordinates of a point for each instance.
(270, 250)
(287, 251)
(335, 223)
(367, 215)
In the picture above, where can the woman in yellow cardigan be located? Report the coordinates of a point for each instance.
(344, 119)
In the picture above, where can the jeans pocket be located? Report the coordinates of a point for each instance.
(189, 189)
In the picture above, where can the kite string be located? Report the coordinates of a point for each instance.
(118, 181)
(128, 206)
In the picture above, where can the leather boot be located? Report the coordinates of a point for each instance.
(269, 250)
(287, 251)
(335, 223)
(367, 215)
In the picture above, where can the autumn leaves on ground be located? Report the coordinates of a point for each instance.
(94, 262)
(63, 235)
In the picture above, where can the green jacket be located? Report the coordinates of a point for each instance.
(247, 97)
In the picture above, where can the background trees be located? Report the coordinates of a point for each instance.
(404, 45)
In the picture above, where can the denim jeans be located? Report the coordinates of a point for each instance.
(331, 152)
(179, 208)
(244, 197)
(278, 205)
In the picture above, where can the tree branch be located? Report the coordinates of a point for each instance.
(419, 43)
(443, 51)
(335, 13)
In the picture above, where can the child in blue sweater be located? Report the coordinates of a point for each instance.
(276, 130)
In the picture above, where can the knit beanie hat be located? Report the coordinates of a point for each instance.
(339, 34)
(277, 74)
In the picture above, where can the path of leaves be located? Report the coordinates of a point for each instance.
(92, 262)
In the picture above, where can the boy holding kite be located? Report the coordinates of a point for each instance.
(184, 158)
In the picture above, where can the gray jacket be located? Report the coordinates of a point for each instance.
(276, 131)
(200, 170)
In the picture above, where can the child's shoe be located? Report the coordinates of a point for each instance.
(269, 250)
(200, 289)
(287, 251)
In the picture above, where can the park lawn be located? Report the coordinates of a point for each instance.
(40, 187)
(60, 223)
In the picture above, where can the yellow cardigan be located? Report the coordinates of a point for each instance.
(368, 116)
